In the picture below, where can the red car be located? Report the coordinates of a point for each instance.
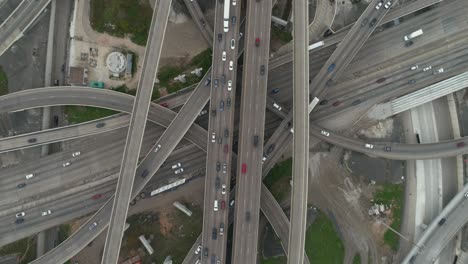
(223, 205)
(244, 168)
(337, 103)
(461, 144)
(164, 104)
(226, 148)
(96, 196)
(257, 42)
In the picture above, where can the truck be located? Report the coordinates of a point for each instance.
(416, 33)
(227, 4)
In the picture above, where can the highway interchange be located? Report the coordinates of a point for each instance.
(450, 145)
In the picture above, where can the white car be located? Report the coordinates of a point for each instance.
(223, 189)
(277, 107)
(157, 148)
(229, 85)
(388, 4)
(179, 171)
(379, 5)
(234, 2)
(264, 159)
(427, 68)
(48, 212)
(76, 154)
(369, 146)
(233, 43)
(20, 214)
(231, 65)
(466, 194)
(29, 176)
(224, 56)
(441, 70)
(66, 164)
(92, 226)
(325, 133)
(213, 137)
(415, 67)
(175, 166)
(197, 251)
(203, 112)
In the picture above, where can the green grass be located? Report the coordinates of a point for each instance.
(282, 35)
(176, 242)
(203, 60)
(64, 232)
(277, 180)
(357, 259)
(392, 195)
(79, 114)
(3, 82)
(275, 260)
(121, 18)
(323, 244)
(28, 253)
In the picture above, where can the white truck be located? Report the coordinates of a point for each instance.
(418, 32)
(227, 4)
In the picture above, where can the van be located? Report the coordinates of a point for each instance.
(215, 207)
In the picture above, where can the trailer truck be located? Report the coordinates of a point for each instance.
(227, 4)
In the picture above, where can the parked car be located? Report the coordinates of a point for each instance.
(388, 4)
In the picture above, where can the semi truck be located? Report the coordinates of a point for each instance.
(227, 4)
(418, 32)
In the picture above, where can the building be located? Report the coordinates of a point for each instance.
(78, 76)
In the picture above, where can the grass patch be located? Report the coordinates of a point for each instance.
(122, 18)
(203, 59)
(357, 259)
(64, 232)
(282, 35)
(323, 245)
(3, 82)
(174, 234)
(25, 248)
(392, 195)
(275, 260)
(277, 180)
(80, 114)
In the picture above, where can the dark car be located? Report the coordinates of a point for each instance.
(337, 103)
(213, 259)
(327, 33)
(364, 22)
(56, 82)
(247, 216)
(101, 124)
(329, 82)
(356, 102)
(220, 37)
(323, 102)
(145, 173)
(214, 235)
(412, 81)
(441, 222)
(233, 20)
(223, 205)
(223, 79)
(331, 67)
(216, 82)
(213, 112)
(226, 132)
(255, 140)
(208, 81)
(32, 140)
(220, 140)
(217, 183)
(381, 80)
(21, 185)
(221, 106)
(460, 144)
(228, 102)
(218, 166)
(262, 69)
(387, 149)
(19, 220)
(56, 120)
(164, 104)
(205, 252)
(372, 23)
(270, 149)
(274, 91)
(408, 43)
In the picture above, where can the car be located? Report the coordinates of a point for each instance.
(231, 204)
(255, 140)
(364, 22)
(96, 196)
(381, 80)
(158, 147)
(264, 158)
(234, 2)
(387, 149)
(220, 140)
(164, 104)
(76, 154)
(233, 43)
(331, 67)
(218, 166)
(233, 20)
(202, 22)
(226, 148)
(226, 132)
(93, 226)
(213, 112)
(244, 168)
(101, 124)
(223, 56)
(29, 176)
(19, 220)
(221, 228)
(323, 102)
(144, 173)
(408, 43)
(270, 149)
(228, 102)
(415, 67)
(207, 81)
(203, 112)
(442, 221)
(223, 189)
(223, 79)
(275, 91)
(32, 140)
(388, 4)
(220, 37)
(257, 42)
(379, 5)
(356, 102)
(216, 82)
(262, 70)
(224, 167)
(231, 65)
(66, 164)
(369, 146)
(213, 137)
(48, 212)
(197, 251)
(63, 67)
(466, 195)
(217, 183)
(327, 33)
(440, 70)
(56, 82)
(205, 252)
(277, 107)
(56, 120)
(223, 205)
(372, 23)
(427, 68)
(18, 215)
(412, 81)
(229, 85)
(215, 205)
(247, 216)
(337, 103)
(179, 171)
(460, 144)
(21, 185)
(329, 82)
(221, 106)
(325, 133)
